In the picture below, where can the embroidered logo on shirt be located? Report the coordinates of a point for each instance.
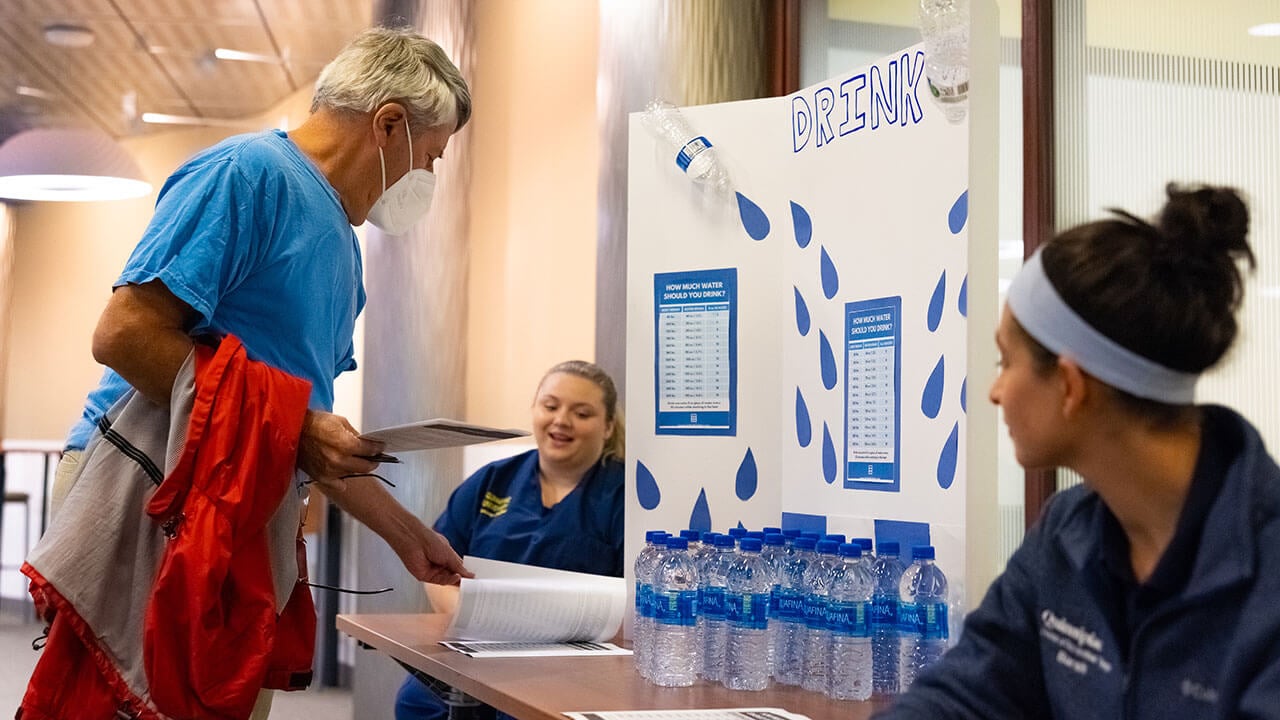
(1196, 691)
(1079, 648)
(493, 506)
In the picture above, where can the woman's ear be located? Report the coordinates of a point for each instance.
(1074, 382)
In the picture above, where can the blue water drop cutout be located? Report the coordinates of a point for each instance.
(700, 517)
(754, 220)
(830, 280)
(936, 302)
(964, 386)
(802, 313)
(931, 398)
(804, 430)
(962, 303)
(828, 455)
(947, 459)
(803, 225)
(827, 360)
(748, 478)
(646, 487)
(959, 213)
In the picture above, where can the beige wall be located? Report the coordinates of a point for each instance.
(66, 256)
(533, 202)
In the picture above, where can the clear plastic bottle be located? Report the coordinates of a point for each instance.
(922, 615)
(775, 550)
(789, 646)
(944, 24)
(713, 583)
(817, 637)
(887, 570)
(848, 613)
(675, 606)
(693, 153)
(746, 658)
(642, 620)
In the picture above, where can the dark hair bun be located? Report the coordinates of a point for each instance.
(1208, 221)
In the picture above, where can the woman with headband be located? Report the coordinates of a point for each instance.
(1151, 590)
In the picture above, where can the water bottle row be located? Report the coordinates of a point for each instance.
(744, 607)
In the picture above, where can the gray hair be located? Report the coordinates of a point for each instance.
(383, 65)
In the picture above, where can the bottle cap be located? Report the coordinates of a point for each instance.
(737, 532)
(791, 533)
(828, 547)
(677, 543)
(865, 543)
(768, 530)
(723, 541)
(889, 547)
(654, 536)
(774, 539)
(838, 537)
(815, 535)
(922, 552)
(749, 544)
(805, 543)
(691, 535)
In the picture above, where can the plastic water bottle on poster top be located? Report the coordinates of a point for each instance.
(887, 571)
(922, 615)
(746, 663)
(713, 584)
(848, 618)
(675, 608)
(788, 652)
(944, 24)
(642, 619)
(691, 152)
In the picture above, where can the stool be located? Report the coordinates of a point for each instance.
(25, 500)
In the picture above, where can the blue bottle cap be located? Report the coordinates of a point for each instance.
(709, 537)
(808, 533)
(737, 532)
(838, 537)
(691, 535)
(677, 543)
(791, 533)
(749, 544)
(828, 547)
(922, 552)
(774, 539)
(723, 541)
(865, 543)
(771, 529)
(654, 536)
(889, 547)
(805, 543)
(850, 550)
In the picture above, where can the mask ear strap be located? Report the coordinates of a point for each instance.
(410, 136)
(383, 163)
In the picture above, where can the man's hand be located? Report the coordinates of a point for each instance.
(330, 448)
(428, 556)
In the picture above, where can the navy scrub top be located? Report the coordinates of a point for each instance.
(498, 514)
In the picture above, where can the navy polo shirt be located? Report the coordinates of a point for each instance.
(498, 514)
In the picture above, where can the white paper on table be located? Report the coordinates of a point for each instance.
(514, 602)
(437, 433)
(498, 648)
(691, 714)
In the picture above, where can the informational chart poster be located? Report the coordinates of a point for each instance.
(695, 352)
(799, 348)
(873, 389)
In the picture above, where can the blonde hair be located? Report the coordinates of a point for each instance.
(382, 65)
(615, 444)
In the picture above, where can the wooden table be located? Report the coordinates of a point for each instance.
(543, 688)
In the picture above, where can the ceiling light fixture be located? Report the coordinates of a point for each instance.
(68, 35)
(242, 56)
(166, 119)
(77, 164)
(1266, 30)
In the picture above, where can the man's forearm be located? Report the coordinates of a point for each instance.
(142, 336)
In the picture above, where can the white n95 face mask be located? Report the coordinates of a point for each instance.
(407, 200)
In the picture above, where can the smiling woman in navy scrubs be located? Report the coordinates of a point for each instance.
(560, 506)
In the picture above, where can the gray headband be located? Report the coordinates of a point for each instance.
(1042, 313)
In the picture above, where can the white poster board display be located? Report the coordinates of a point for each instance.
(807, 335)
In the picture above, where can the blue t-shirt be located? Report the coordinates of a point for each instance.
(498, 514)
(252, 236)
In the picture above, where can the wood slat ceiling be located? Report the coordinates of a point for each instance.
(157, 56)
